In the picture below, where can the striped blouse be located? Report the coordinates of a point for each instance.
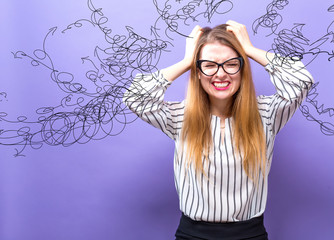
(224, 193)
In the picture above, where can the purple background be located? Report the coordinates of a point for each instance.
(122, 187)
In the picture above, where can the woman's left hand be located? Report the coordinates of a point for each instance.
(241, 33)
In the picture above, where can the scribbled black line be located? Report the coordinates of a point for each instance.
(188, 13)
(326, 128)
(293, 44)
(41, 58)
(320, 108)
(271, 19)
(85, 115)
(3, 96)
(331, 8)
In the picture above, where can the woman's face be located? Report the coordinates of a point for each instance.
(221, 86)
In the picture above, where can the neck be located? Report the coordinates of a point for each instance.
(221, 108)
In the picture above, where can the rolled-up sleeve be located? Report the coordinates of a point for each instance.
(145, 97)
(292, 82)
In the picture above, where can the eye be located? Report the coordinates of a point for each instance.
(209, 65)
(232, 63)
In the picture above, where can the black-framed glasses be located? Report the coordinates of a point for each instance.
(230, 66)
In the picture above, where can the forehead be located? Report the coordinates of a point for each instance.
(217, 52)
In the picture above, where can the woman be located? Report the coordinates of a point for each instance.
(223, 134)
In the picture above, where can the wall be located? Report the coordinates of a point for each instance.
(76, 164)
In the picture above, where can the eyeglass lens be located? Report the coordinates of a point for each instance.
(210, 68)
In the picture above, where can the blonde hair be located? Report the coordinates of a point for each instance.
(248, 133)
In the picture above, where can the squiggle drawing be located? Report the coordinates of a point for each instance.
(272, 19)
(3, 96)
(189, 13)
(85, 115)
(293, 43)
(95, 114)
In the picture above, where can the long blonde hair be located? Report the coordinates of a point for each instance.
(248, 133)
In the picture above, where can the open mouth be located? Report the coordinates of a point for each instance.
(221, 85)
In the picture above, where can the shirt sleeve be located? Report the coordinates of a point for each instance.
(145, 97)
(292, 82)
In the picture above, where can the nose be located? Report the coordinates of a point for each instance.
(221, 72)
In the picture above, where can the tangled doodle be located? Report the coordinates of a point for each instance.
(293, 43)
(326, 128)
(92, 108)
(190, 12)
(272, 19)
(86, 113)
(95, 114)
(3, 96)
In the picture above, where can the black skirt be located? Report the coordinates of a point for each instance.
(252, 229)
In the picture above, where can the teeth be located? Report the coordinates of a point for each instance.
(221, 85)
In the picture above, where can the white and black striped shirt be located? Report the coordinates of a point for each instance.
(224, 193)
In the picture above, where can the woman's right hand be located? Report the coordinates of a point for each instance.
(176, 70)
(191, 44)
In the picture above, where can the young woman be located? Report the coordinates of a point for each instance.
(223, 133)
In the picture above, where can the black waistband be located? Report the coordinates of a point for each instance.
(228, 231)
